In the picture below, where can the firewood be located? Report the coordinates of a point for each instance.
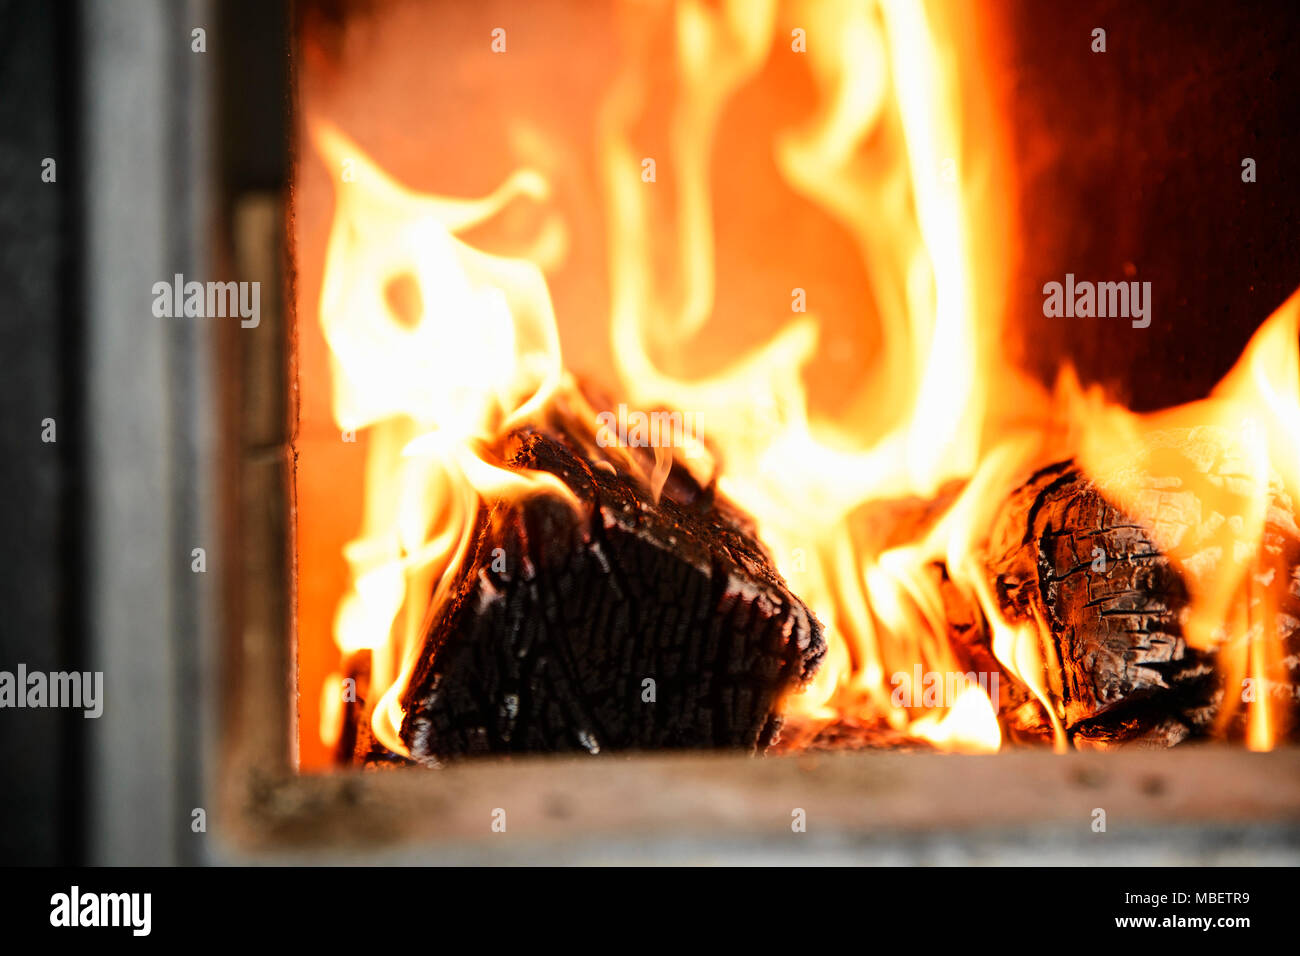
(630, 624)
(1118, 665)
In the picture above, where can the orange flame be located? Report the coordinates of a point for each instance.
(468, 350)
(882, 156)
(438, 348)
(1230, 459)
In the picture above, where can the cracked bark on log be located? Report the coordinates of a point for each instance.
(1118, 664)
(553, 653)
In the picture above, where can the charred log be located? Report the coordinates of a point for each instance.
(1112, 607)
(630, 623)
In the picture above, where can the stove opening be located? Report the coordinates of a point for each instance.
(662, 383)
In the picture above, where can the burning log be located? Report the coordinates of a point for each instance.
(633, 624)
(1113, 607)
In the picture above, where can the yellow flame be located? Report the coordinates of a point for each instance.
(1202, 477)
(971, 725)
(439, 347)
(470, 351)
(884, 156)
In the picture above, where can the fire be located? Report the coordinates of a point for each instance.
(881, 156)
(438, 348)
(1236, 453)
